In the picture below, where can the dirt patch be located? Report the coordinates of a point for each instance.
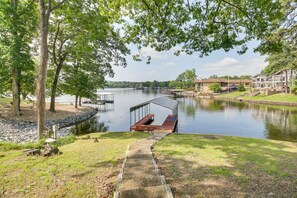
(28, 113)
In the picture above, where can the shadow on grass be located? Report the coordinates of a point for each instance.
(228, 166)
(123, 135)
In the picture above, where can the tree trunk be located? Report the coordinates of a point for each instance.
(15, 69)
(42, 68)
(19, 104)
(75, 104)
(282, 85)
(15, 92)
(286, 91)
(79, 101)
(291, 78)
(54, 88)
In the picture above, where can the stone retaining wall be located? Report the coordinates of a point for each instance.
(24, 131)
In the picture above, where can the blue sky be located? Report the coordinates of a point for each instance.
(166, 66)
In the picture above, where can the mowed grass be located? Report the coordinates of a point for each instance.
(85, 169)
(275, 97)
(217, 166)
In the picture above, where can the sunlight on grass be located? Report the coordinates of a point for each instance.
(238, 166)
(276, 97)
(85, 169)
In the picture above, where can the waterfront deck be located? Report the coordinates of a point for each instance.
(144, 124)
(141, 119)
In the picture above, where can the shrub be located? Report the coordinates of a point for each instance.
(215, 87)
(241, 87)
(64, 140)
(6, 146)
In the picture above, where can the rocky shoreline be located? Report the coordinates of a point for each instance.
(25, 131)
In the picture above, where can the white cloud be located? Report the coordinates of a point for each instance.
(231, 66)
(228, 61)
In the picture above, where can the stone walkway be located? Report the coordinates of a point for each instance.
(140, 174)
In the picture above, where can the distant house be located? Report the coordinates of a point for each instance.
(202, 85)
(276, 82)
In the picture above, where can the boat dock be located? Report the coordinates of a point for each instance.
(142, 120)
(101, 98)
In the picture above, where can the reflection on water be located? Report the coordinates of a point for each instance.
(89, 126)
(237, 118)
(195, 115)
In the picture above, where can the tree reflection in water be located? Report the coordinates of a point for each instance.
(279, 122)
(91, 125)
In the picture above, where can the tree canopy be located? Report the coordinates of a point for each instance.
(199, 26)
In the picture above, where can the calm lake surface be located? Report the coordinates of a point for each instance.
(200, 116)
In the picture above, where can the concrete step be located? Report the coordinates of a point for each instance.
(147, 169)
(141, 170)
(140, 164)
(139, 156)
(147, 192)
(140, 149)
(140, 182)
(141, 173)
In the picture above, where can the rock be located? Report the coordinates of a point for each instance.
(32, 152)
(270, 194)
(52, 151)
(50, 140)
(26, 131)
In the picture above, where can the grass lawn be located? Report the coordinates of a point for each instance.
(233, 94)
(216, 166)
(275, 97)
(85, 169)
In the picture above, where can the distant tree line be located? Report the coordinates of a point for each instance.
(127, 84)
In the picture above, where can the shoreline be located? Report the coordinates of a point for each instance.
(19, 131)
(265, 102)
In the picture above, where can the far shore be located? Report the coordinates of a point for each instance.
(267, 102)
(276, 99)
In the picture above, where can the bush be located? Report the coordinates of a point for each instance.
(215, 87)
(6, 146)
(64, 140)
(241, 87)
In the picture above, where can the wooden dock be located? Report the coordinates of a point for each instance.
(145, 124)
(141, 119)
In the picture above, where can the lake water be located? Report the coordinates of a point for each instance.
(201, 116)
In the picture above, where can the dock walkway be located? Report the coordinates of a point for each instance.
(141, 176)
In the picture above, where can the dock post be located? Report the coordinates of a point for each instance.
(55, 130)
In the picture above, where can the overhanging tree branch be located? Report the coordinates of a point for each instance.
(57, 6)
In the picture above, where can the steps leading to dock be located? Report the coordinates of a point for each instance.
(141, 177)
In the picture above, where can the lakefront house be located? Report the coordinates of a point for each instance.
(278, 81)
(202, 85)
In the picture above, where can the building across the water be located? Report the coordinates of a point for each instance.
(202, 85)
(278, 81)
